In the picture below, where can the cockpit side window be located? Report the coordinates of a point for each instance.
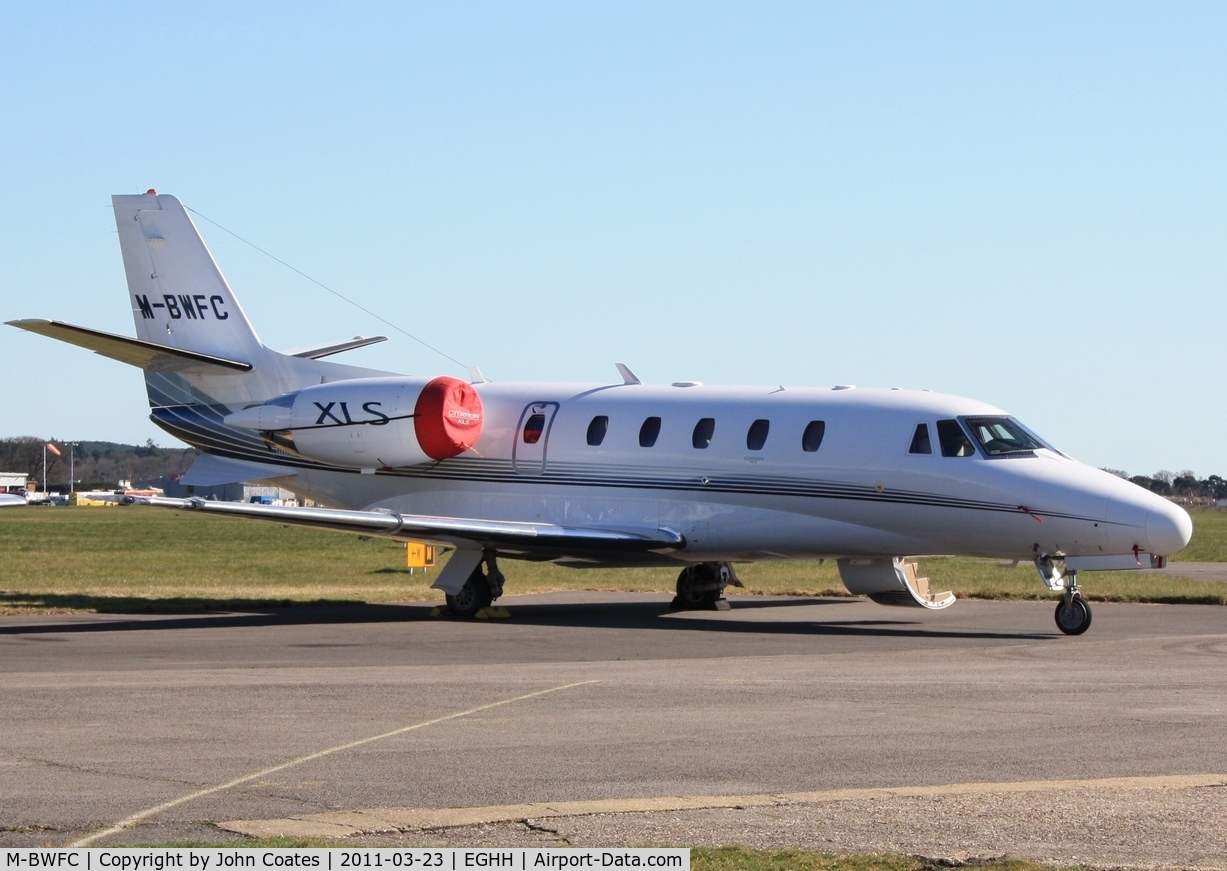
(1000, 436)
(920, 440)
(953, 440)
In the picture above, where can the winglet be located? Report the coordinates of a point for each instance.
(628, 377)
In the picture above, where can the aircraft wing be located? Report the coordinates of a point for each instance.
(544, 540)
(9, 500)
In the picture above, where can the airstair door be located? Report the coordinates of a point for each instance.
(532, 436)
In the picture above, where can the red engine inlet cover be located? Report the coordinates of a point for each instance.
(447, 418)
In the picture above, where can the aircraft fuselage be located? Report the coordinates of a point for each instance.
(732, 471)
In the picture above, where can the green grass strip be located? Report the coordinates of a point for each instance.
(134, 560)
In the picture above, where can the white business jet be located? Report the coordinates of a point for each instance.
(615, 474)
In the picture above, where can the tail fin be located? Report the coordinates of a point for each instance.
(179, 297)
(201, 358)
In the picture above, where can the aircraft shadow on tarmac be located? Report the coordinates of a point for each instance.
(137, 614)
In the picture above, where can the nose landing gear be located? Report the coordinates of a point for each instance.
(1073, 612)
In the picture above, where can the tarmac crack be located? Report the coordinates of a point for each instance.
(102, 772)
(534, 826)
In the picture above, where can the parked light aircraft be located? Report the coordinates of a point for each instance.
(615, 474)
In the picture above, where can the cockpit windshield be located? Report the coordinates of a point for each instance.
(1000, 436)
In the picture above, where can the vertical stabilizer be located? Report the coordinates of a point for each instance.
(201, 359)
(179, 297)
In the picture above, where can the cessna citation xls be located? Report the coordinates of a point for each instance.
(614, 474)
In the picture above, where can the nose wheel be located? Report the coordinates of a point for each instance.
(1073, 613)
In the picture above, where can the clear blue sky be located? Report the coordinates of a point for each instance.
(1022, 203)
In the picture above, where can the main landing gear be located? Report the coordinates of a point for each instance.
(701, 587)
(484, 585)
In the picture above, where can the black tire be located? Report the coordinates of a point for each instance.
(692, 586)
(473, 596)
(1073, 616)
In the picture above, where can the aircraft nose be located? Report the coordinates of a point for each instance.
(1168, 528)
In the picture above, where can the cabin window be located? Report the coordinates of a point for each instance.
(757, 436)
(920, 441)
(533, 428)
(597, 429)
(648, 432)
(1002, 435)
(811, 439)
(701, 437)
(954, 441)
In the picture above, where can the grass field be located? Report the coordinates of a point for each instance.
(1209, 542)
(132, 560)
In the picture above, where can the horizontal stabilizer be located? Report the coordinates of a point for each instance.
(211, 471)
(316, 353)
(149, 356)
(495, 535)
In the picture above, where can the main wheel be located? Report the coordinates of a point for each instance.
(473, 596)
(694, 587)
(1073, 615)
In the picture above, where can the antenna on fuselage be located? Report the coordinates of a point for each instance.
(628, 377)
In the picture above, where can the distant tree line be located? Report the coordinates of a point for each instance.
(1183, 483)
(102, 465)
(96, 465)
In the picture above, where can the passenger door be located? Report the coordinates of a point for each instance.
(532, 435)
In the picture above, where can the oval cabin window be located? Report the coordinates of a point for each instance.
(703, 431)
(811, 439)
(597, 430)
(648, 432)
(757, 436)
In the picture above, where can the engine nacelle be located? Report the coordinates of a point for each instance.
(371, 422)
